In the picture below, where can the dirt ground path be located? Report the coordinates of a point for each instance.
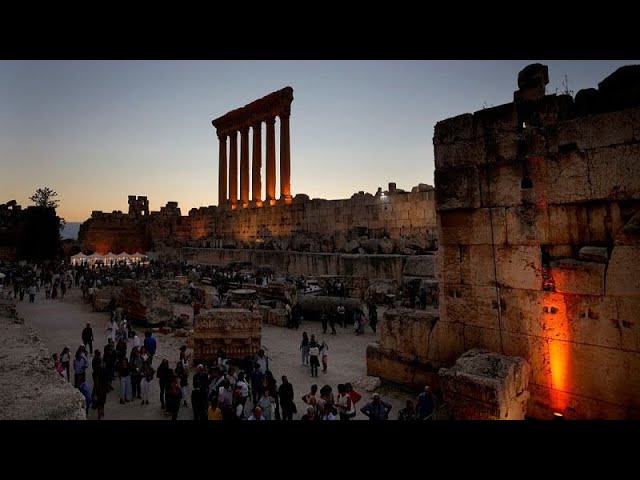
(60, 322)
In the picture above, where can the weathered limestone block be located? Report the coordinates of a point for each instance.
(627, 309)
(527, 225)
(594, 254)
(574, 276)
(477, 265)
(352, 246)
(519, 266)
(379, 289)
(470, 305)
(559, 179)
(400, 368)
(557, 252)
(473, 227)
(593, 131)
(371, 245)
(32, 390)
(407, 330)
(486, 386)
(454, 129)
(500, 185)
(448, 264)
(622, 272)
(461, 153)
(277, 316)
(238, 332)
(419, 266)
(457, 188)
(145, 303)
(614, 172)
(386, 246)
(610, 375)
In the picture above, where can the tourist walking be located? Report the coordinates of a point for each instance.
(343, 403)
(425, 404)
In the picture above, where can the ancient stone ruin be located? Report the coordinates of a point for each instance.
(236, 331)
(31, 389)
(538, 205)
(266, 109)
(483, 385)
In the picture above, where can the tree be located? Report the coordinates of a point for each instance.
(45, 197)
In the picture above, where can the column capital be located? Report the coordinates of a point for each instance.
(285, 112)
(257, 125)
(222, 136)
(244, 129)
(270, 120)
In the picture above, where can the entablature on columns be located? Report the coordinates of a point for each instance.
(275, 104)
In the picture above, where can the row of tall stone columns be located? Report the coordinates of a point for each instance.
(256, 164)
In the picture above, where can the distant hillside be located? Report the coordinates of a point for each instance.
(71, 230)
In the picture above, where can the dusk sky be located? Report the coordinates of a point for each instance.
(98, 131)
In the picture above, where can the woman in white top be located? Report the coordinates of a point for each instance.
(343, 403)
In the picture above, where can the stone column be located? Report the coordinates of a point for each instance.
(271, 160)
(233, 168)
(285, 157)
(256, 165)
(244, 166)
(222, 171)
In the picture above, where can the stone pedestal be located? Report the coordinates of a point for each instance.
(238, 332)
(486, 386)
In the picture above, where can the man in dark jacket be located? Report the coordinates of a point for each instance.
(285, 392)
(87, 338)
(200, 394)
(377, 409)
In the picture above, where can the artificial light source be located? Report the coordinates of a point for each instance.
(558, 416)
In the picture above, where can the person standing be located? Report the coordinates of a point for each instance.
(32, 293)
(80, 365)
(87, 337)
(377, 409)
(425, 404)
(164, 377)
(285, 392)
(324, 352)
(304, 348)
(150, 345)
(343, 403)
(341, 315)
(408, 413)
(65, 360)
(174, 395)
(314, 361)
(147, 378)
(373, 316)
(124, 372)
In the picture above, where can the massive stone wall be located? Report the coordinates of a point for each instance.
(388, 222)
(538, 206)
(372, 267)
